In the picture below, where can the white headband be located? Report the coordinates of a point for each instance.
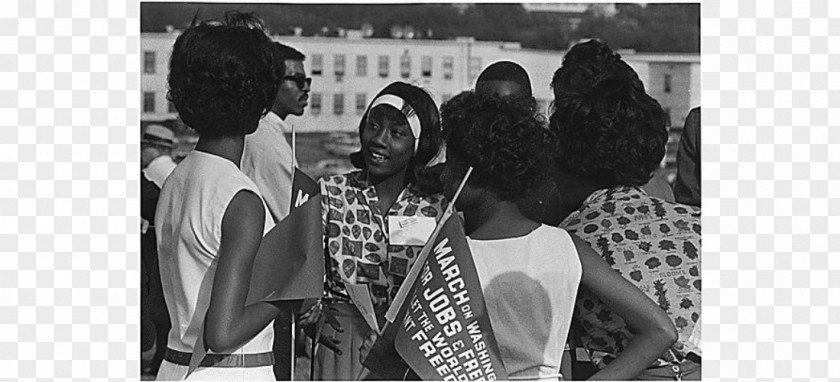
(409, 113)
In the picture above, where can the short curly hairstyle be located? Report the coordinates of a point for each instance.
(502, 138)
(223, 77)
(607, 129)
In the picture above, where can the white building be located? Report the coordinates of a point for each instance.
(573, 9)
(348, 72)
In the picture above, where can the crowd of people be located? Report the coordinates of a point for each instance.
(575, 244)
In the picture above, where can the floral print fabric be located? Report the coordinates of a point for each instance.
(655, 245)
(356, 236)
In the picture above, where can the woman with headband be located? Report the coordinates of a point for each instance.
(377, 219)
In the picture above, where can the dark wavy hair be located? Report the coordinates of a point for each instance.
(502, 138)
(422, 180)
(285, 52)
(607, 129)
(222, 76)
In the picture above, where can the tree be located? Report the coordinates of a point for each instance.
(657, 27)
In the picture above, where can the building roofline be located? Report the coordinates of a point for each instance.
(663, 57)
(344, 39)
(637, 56)
(390, 40)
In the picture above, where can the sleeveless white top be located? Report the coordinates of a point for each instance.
(529, 285)
(188, 223)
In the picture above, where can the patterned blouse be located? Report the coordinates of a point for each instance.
(655, 245)
(356, 233)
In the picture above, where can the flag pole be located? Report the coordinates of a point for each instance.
(319, 327)
(451, 206)
(294, 144)
(293, 328)
(402, 293)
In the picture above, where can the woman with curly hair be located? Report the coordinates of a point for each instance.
(610, 138)
(210, 218)
(529, 271)
(364, 213)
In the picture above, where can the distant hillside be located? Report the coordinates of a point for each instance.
(656, 27)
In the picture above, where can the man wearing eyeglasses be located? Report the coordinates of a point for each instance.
(267, 160)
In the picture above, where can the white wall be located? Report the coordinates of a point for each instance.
(539, 64)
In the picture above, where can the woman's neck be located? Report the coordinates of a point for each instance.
(389, 188)
(493, 219)
(573, 192)
(229, 148)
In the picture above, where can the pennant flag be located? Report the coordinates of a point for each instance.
(289, 264)
(383, 359)
(442, 331)
(408, 283)
(303, 188)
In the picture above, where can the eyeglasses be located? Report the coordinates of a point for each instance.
(300, 80)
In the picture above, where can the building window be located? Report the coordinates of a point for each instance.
(338, 103)
(172, 107)
(426, 66)
(383, 66)
(448, 67)
(361, 103)
(405, 65)
(317, 64)
(148, 102)
(149, 62)
(475, 67)
(361, 66)
(338, 63)
(315, 107)
(667, 83)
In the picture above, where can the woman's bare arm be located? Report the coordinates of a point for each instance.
(654, 331)
(230, 323)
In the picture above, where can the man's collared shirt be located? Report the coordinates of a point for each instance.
(267, 160)
(158, 169)
(655, 245)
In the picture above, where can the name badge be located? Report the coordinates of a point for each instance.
(410, 230)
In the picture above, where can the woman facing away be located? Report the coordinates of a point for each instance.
(365, 214)
(610, 137)
(210, 218)
(529, 271)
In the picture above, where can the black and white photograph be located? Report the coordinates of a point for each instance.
(426, 191)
